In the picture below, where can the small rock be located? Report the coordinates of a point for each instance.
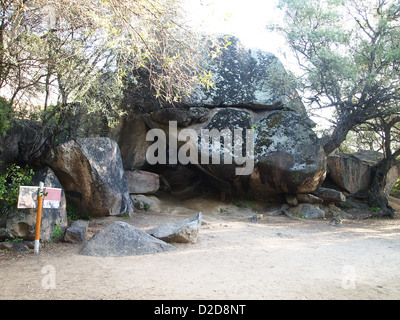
(142, 182)
(76, 233)
(308, 198)
(330, 195)
(308, 211)
(14, 246)
(145, 203)
(291, 199)
(183, 231)
(335, 222)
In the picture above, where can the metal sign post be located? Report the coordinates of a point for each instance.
(34, 197)
(39, 217)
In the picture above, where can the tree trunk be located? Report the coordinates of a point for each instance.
(338, 136)
(377, 197)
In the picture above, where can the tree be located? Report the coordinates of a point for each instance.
(82, 50)
(348, 52)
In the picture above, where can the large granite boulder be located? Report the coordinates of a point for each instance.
(121, 239)
(243, 77)
(21, 223)
(92, 175)
(352, 171)
(251, 91)
(287, 155)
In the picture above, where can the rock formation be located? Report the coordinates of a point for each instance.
(251, 91)
(121, 239)
(92, 175)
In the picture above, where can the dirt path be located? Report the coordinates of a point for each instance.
(276, 258)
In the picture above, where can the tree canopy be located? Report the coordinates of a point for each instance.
(348, 52)
(73, 46)
(349, 55)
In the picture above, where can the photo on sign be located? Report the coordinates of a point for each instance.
(28, 197)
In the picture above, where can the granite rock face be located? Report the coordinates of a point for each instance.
(92, 175)
(248, 78)
(251, 92)
(352, 171)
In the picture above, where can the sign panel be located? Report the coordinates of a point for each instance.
(28, 197)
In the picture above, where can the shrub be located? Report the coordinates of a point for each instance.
(10, 180)
(5, 111)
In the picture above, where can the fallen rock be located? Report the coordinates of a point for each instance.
(307, 211)
(183, 231)
(92, 175)
(146, 203)
(308, 198)
(120, 239)
(76, 232)
(142, 182)
(14, 246)
(352, 171)
(329, 195)
(291, 199)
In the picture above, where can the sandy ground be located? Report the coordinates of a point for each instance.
(275, 258)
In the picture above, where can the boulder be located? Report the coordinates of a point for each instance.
(92, 175)
(291, 199)
(142, 182)
(307, 211)
(252, 92)
(352, 171)
(250, 78)
(308, 198)
(121, 239)
(131, 137)
(183, 117)
(14, 246)
(183, 231)
(76, 232)
(21, 223)
(24, 142)
(349, 172)
(288, 157)
(329, 195)
(146, 203)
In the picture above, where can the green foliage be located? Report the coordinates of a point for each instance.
(58, 232)
(10, 180)
(5, 110)
(72, 212)
(374, 209)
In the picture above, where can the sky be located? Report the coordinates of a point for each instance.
(246, 19)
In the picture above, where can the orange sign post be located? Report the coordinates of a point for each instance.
(39, 217)
(34, 197)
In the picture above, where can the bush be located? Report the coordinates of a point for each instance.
(10, 180)
(5, 111)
